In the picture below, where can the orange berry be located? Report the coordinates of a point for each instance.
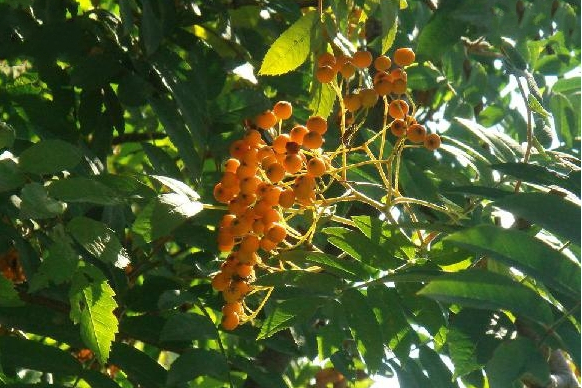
(223, 194)
(276, 233)
(249, 184)
(246, 170)
(263, 152)
(275, 172)
(382, 63)
(398, 109)
(382, 76)
(249, 243)
(270, 217)
(316, 167)
(312, 140)
(238, 148)
(292, 148)
(348, 70)
(226, 220)
(263, 188)
(258, 227)
(398, 74)
(432, 141)
(220, 281)
(280, 143)
(248, 258)
(230, 321)
(317, 124)
(416, 133)
(399, 86)
(297, 133)
(240, 287)
(240, 227)
(266, 120)
(230, 308)
(369, 97)
(231, 165)
(362, 59)
(325, 74)
(253, 137)
(229, 179)
(272, 196)
(352, 102)
(398, 128)
(404, 56)
(383, 87)
(268, 160)
(287, 198)
(283, 110)
(326, 59)
(267, 245)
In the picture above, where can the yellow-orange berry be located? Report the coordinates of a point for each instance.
(267, 245)
(383, 87)
(362, 59)
(245, 271)
(293, 163)
(220, 281)
(249, 243)
(235, 307)
(238, 148)
(398, 109)
(432, 141)
(316, 167)
(382, 63)
(398, 128)
(275, 172)
(231, 165)
(276, 233)
(253, 137)
(296, 134)
(312, 140)
(369, 97)
(283, 110)
(348, 70)
(271, 197)
(352, 102)
(325, 74)
(317, 124)
(280, 143)
(223, 194)
(404, 56)
(399, 86)
(230, 321)
(266, 120)
(416, 133)
(326, 59)
(287, 198)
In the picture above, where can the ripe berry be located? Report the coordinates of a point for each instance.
(326, 59)
(416, 133)
(312, 140)
(325, 74)
(369, 97)
(253, 137)
(404, 56)
(352, 102)
(267, 245)
(230, 321)
(398, 128)
(230, 308)
(362, 59)
(276, 233)
(317, 124)
(220, 281)
(231, 165)
(316, 167)
(287, 198)
(223, 194)
(399, 86)
(293, 163)
(271, 197)
(292, 148)
(383, 87)
(398, 109)
(382, 63)
(249, 243)
(283, 110)
(296, 134)
(275, 172)
(238, 148)
(245, 271)
(432, 141)
(280, 143)
(266, 120)
(347, 70)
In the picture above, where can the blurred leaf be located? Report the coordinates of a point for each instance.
(10, 176)
(343, 268)
(462, 351)
(98, 322)
(566, 85)
(488, 290)
(98, 240)
(318, 283)
(438, 35)
(261, 375)
(358, 246)
(235, 106)
(36, 204)
(22, 353)
(8, 294)
(290, 49)
(151, 28)
(96, 379)
(138, 366)
(534, 173)
(81, 189)
(198, 362)
(323, 99)
(187, 327)
(536, 106)
(564, 118)
(513, 359)
(288, 313)
(539, 260)
(49, 157)
(7, 135)
(563, 219)
(58, 266)
(440, 376)
(161, 161)
(95, 71)
(389, 12)
(364, 327)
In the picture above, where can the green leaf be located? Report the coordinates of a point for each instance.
(358, 246)
(288, 313)
(8, 295)
(187, 327)
(346, 269)
(49, 157)
(514, 359)
(439, 35)
(98, 240)
(7, 135)
(81, 189)
(151, 28)
(96, 379)
(564, 118)
(36, 204)
(364, 327)
(198, 362)
(57, 267)
(290, 49)
(534, 173)
(563, 217)
(538, 260)
(312, 282)
(22, 353)
(235, 106)
(10, 176)
(98, 322)
(462, 351)
(138, 366)
(323, 99)
(567, 85)
(259, 374)
(389, 13)
(535, 106)
(440, 376)
(488, 290)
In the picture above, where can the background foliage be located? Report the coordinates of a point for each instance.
(115, 118)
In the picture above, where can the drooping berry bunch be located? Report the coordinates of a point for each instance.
(259, 182)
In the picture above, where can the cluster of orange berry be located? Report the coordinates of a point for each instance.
(390, 79)
(258, 183)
